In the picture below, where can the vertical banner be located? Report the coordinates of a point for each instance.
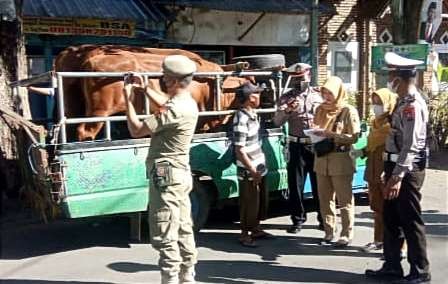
(430, 19)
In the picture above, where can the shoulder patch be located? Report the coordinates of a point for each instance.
(409, 112)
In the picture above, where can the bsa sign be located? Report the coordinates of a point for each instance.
(72, 26)
(412, 51)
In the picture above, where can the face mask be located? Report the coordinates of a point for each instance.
(390, 85)
(377, 110)
(304, 85)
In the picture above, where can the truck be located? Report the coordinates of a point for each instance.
(108, 175)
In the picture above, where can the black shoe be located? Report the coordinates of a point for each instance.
(342, 243)
(385, 273)
(414, 279)
(321, 227)
(294, 229)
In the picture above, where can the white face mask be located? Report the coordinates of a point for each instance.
(378, 110)
(304, 85)
(390, 85)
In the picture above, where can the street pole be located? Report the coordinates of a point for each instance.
(315, 42)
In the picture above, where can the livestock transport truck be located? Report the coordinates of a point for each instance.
(108, 176)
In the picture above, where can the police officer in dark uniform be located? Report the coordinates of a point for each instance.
(404, 173)
(297, 106)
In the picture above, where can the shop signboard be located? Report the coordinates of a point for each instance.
(412, 51)
(75, 26)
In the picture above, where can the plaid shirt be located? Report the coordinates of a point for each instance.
(245, 133)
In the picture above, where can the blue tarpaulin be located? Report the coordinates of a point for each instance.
(104, 9)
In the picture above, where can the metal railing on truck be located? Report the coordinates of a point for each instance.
(218, 77)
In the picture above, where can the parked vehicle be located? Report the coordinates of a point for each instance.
(108, 176)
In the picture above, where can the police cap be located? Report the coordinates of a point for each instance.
(405, 67)
(178, 66)
(298, 69)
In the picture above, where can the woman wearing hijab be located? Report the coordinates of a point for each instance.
(383, 104)
(338, 122)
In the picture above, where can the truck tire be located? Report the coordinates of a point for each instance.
(264, 61)
(201, 198)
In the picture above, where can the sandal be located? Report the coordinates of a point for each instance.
(247, 241)
(260, 234)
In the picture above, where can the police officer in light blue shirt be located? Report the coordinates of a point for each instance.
(404, 173)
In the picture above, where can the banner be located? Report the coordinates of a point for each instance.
(430, 19)
(73, 26)
(412, 51)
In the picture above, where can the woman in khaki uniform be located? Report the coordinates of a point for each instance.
(383, 105)
(338, 122)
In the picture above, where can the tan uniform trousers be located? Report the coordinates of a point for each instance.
(334, 179)
(171, 226)
(341, 186)
(254, 200)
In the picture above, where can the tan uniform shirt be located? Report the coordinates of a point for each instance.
(302, 117)
(408, 134)
(347, 131)
(173, 130)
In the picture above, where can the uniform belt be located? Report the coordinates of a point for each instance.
(302, 140)
(390, 157)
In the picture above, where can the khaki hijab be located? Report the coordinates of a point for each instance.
(326, 113)
(380, 125)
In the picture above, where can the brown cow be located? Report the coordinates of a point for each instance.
(103, 96)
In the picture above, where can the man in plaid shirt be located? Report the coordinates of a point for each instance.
(254, 196)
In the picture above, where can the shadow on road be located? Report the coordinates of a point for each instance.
(239, 272)
(63, 235)
(221, 271)
(271, 250)
(132, 267)
(437, 160)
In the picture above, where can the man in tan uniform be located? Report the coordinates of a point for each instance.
(168, 168)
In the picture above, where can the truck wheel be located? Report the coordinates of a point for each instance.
(264, 61)
(201, 201)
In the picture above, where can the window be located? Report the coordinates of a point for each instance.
(343, 65)
(343, 61)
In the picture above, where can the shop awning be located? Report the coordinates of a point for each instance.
(268, 6)
(121, 18)
(133, 10)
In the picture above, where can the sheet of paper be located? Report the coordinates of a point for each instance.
(314, 138)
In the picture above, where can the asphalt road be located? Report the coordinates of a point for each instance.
(99, 251)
